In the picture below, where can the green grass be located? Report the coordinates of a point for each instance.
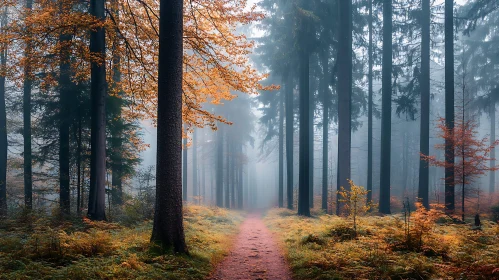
(43, 248)
(322, 247)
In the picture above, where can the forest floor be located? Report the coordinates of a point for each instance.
(38, 246)
(255, 255)
(426, 246)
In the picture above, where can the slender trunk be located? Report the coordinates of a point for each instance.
(233, 175)
(424, 140)
(195, 187)
(492, 179)
(79, 195)
(405, 163)
(168, 228)
(240, 180)
(229, 162)
(449, 105)
(281, 149)
(325, 127)
(3, 123)
(304, 160)
(28, 172)
(116, 121)
(289, 139)
(344, 99)
(311, 149)
(220, 167)
(203, 178)
(65, 104)
(184, 167)
(386, 110)
(97, 196)
(370, 110)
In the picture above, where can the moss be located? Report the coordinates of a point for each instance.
(323, 248)
(94, 250)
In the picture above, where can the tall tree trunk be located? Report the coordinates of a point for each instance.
(203, 163)
(405, 163)
(311, 149)
(449, 105)
(289, 139)
(229, 162)
(233, 174)
(424, 84)
(195, 187)
(97, 196)
(240, 180)
(492, 178)
(79, 185)
(168, 228)
(220, 167)
(370, 110)
(325, 127)
(184, 167)
(3, 123)
(304, 160)
(386, 110)
(344, 98)
(65, 104)
(116, 121)
(281, 149)
(28, 172)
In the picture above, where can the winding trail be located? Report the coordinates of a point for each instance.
(254, 256)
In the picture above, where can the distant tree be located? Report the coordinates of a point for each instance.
(344, 98)
(98, 92)
(168, 228)
(27, 87)
(449, 105)
(386, 110)
(424, 84)
(3, 116)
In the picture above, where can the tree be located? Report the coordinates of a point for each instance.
(3, 116)
(289, 139)
(168, 228)
(424, 83)
(449, 105)
(370, 108)
(281, 148)
(304, 160)
(325, 127)
(28, 83)
(184, 167)
(98, 91)
(386, 109)
(65, 104)
(472, 153)
(344, 98)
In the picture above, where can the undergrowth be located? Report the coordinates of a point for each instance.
(326, 247)
(41, 247)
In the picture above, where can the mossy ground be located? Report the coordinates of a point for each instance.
(40, 247)
(323, 247)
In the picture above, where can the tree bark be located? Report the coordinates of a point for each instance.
(424, 138)
(229, 162)
(184, 167)
(168, 228)
(492, 178)
(311, 149)
(325, 127)
(386, 108)
(344, 98)
(370, 110)
(304, 164)
(220, 168)
(65, 107)
(281, 148)
(3, 123)
(289, 139)
(97, 196)
(449, 106)
(195, 186)
(28, 169)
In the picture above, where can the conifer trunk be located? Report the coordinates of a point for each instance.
(168, 228)
(28, 171)
(3, 124)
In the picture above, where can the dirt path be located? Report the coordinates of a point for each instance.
(255, 255)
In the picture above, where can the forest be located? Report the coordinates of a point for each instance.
(249, 139)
